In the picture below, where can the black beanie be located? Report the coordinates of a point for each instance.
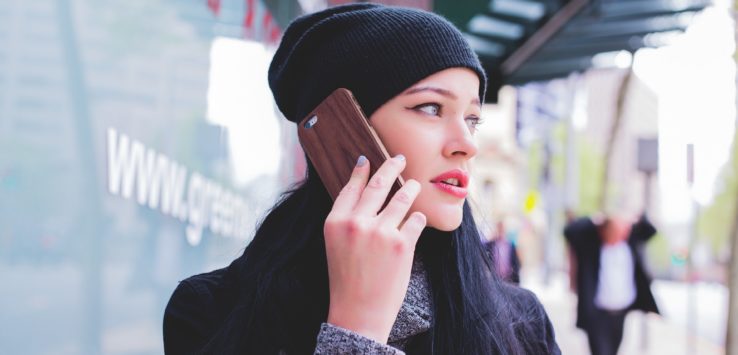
(375, 51)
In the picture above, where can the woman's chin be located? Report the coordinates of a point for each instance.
(445, 224)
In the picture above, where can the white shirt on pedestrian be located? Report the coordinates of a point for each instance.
(616, 288)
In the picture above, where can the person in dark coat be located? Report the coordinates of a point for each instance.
(611, 278)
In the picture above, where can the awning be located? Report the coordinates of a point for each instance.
(520, 41)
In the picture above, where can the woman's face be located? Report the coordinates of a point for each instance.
(432, 124)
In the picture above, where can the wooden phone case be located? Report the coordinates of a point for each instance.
(334, 135)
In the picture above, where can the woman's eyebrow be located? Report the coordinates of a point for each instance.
(440, 91)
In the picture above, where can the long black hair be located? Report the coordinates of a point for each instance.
(282, 278)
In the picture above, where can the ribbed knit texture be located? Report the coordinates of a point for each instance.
(375, 51)
(414, 318)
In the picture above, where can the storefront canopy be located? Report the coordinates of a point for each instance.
(521, 41)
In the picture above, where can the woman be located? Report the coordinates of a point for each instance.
(344, 277)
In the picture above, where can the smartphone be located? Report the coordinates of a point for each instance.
(334, 135)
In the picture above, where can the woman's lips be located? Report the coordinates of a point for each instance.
(462, 180)
(456, 191)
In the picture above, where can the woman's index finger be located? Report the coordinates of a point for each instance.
(351, 192)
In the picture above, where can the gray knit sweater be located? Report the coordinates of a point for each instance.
(414, 318)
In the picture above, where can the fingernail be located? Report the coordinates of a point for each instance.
(361, 161)
(400, 157)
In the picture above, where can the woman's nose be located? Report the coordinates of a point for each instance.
(459, 140)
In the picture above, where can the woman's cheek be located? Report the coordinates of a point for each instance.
(439, 215)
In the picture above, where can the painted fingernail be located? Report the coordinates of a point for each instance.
(362, 161)
(400, 157)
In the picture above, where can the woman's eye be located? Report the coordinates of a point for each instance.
(473, 122)
(430, 109)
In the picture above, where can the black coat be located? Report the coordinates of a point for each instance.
(584, 238)
(199, 308)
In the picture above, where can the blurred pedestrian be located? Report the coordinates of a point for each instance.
(504, 254)
(611, 277)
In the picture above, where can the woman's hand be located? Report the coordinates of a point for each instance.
(369, 253)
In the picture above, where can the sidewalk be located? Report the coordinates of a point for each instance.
(663, 336)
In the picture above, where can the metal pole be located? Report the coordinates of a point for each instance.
(691, 295)
(648, 162)
(646, 207)
(692, 323)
